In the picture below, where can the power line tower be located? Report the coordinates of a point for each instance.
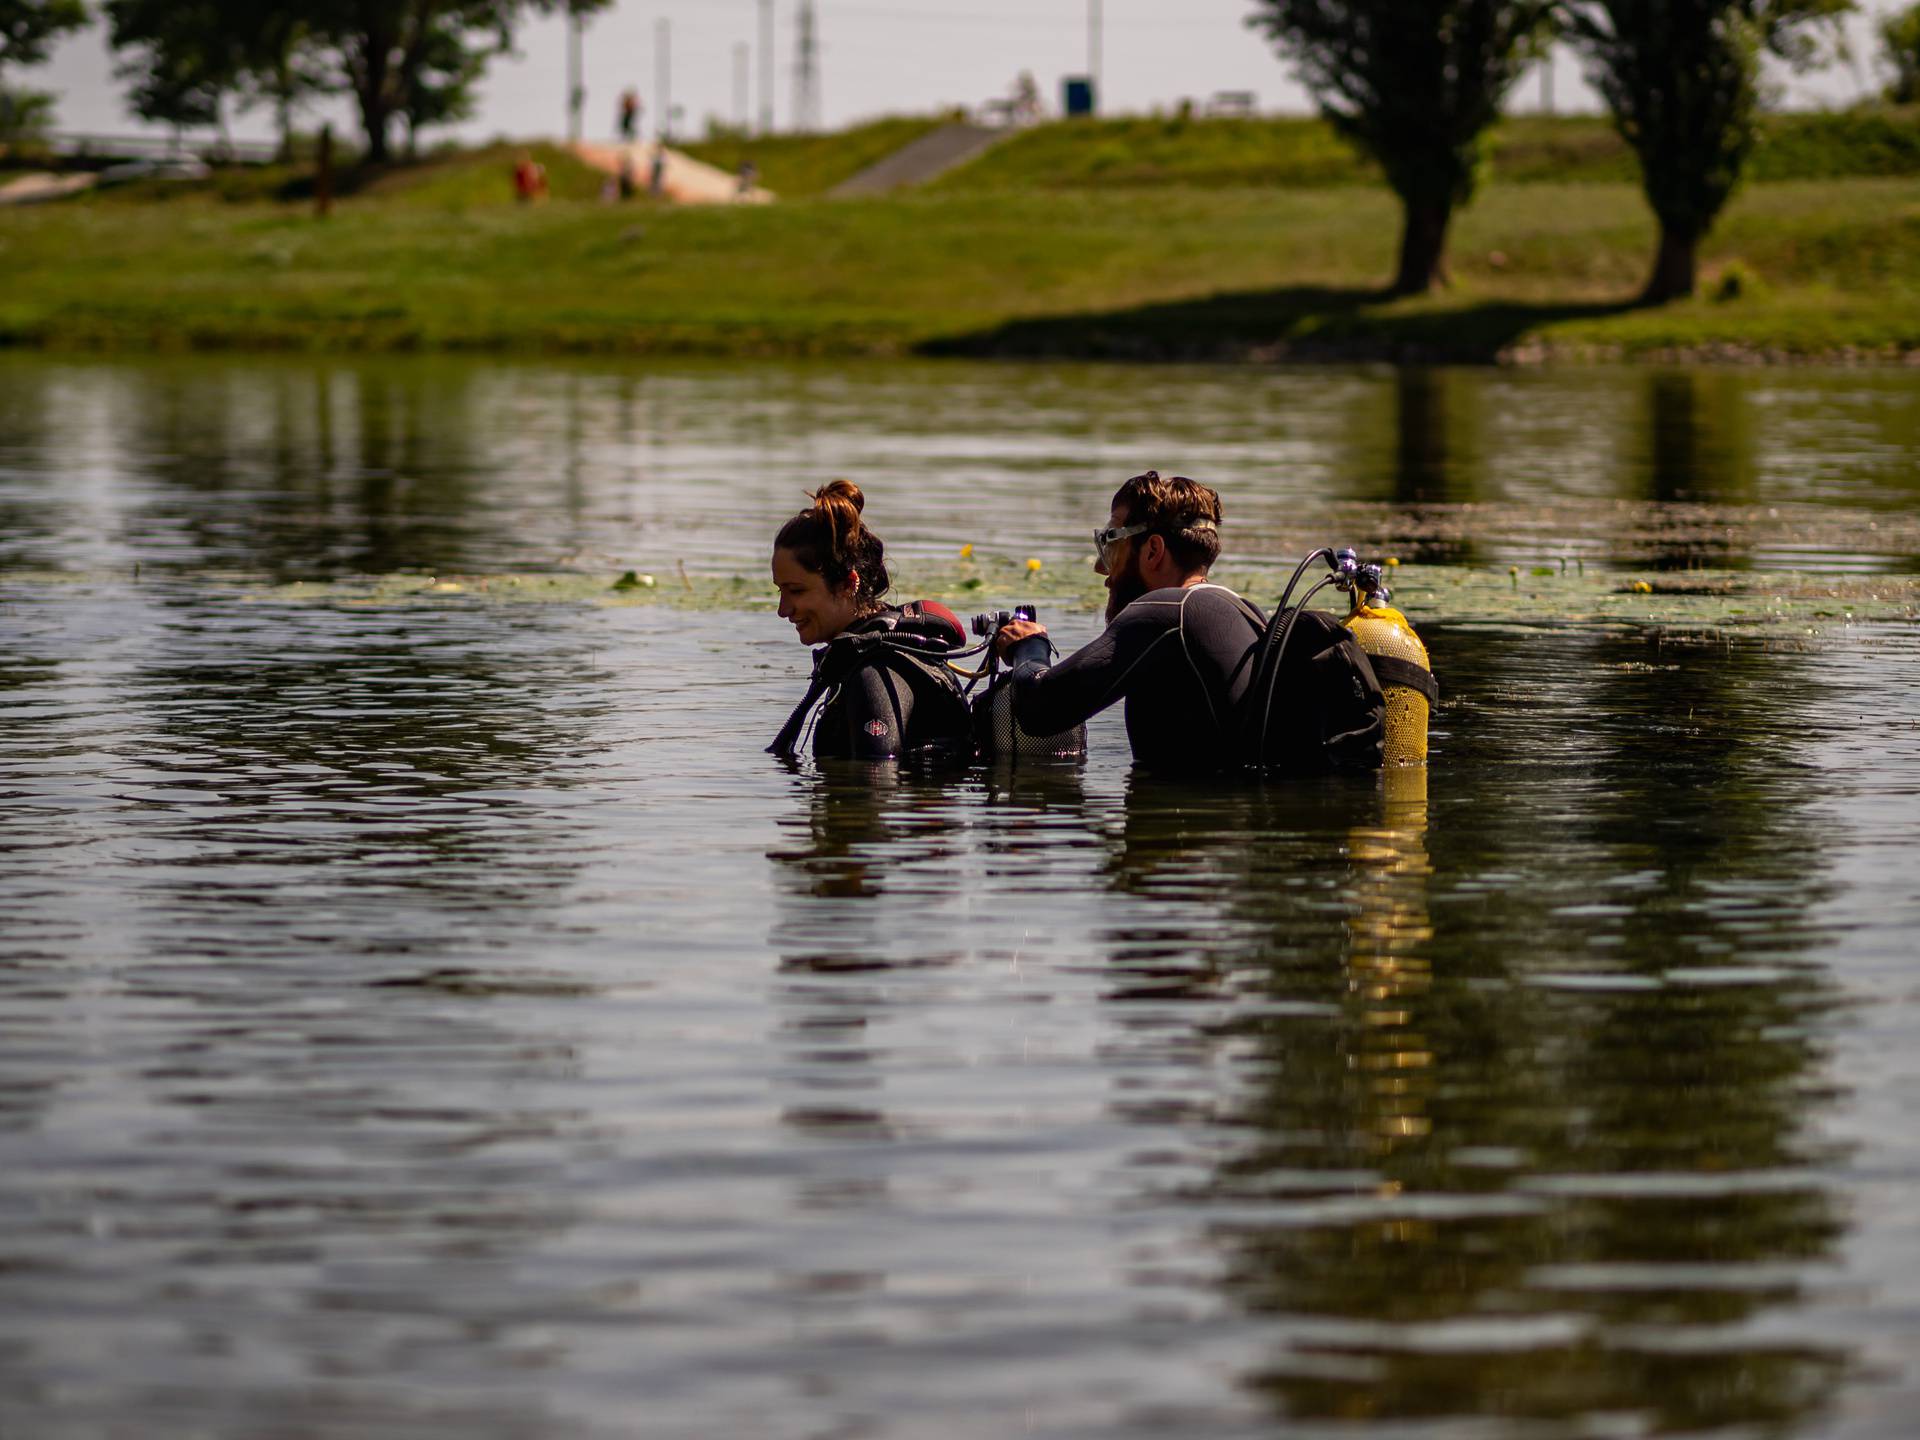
(806, 73)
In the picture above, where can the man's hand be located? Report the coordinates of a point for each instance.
(1007, 636)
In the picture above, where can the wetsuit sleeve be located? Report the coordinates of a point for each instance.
(1048, 700)
(875, 705)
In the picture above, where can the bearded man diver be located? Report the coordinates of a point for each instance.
(1180, 650)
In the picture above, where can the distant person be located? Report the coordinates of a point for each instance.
(625, 178)
(749, 178)
(880, 669)
(1026, 99)
(529, 179)
(657, 173)
(629, 115)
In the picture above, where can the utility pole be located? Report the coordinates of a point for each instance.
(766, 67)
(806, 74)
(663, 79)
(576, 83)
(742, 65)
(1093, 51)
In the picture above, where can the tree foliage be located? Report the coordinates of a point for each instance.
(1900, 36)
(28, 28)
(180, 58)
(1682, 79)
(412, 60)
(24, 114)
(1417, 95)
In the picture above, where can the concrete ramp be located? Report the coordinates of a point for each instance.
(684, 180)
(927, 158)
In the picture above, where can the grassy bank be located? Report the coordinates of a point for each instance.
(439, 257)
(1306, 153)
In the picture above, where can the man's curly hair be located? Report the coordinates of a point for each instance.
(1183, 512)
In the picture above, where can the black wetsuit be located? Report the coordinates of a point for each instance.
(1182, 659)
(893, 700)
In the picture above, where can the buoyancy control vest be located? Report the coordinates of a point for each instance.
(911, 640)
(1315, 704)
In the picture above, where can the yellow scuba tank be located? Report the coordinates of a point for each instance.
(1406, 674)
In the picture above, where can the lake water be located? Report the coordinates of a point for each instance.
(441, 1019)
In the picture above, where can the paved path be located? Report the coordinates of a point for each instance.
(686, 182)
(932, 155)
(37, 185)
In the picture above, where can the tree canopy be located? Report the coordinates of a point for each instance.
(415, 60)
(1416, 97)
(28, 28)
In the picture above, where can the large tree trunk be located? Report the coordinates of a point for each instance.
(375, 93)
(1674, 267)
(1423, 247)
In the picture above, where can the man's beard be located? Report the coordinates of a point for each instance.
(1128, 586)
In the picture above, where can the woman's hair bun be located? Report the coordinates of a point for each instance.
(839, 492)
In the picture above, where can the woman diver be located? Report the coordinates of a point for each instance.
(881, 669)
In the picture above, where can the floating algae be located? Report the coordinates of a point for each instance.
(1526, 596)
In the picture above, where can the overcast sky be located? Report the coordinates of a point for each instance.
(883, 57)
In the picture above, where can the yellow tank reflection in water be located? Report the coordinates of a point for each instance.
(1382, 630)
(1389, 966)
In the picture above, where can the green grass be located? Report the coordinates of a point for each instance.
(1306, 153)
(441, 260)
(797, 166)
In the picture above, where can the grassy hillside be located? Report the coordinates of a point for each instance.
(1305, 153)
(440, 257)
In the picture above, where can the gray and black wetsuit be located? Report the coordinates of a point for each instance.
(1182, 659)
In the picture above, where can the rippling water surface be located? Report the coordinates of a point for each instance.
(441, 1019)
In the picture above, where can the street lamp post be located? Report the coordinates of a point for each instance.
(1093, 49)
(576, 84)
(766, 67)
(663, 78)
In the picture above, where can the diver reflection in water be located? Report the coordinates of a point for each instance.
(1461, 1191)
(871, 874)
(881, 669)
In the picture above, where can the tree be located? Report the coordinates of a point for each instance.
(1682, 78)
(1417, 96)
(182, 58)
(24, 114)
(439, 89)
(1900, 34)
(387, 50)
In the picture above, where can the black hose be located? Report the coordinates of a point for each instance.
(1285, 629)
(1323, 553)
(1268, 641)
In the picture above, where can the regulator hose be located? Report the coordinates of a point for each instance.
(1283, 624)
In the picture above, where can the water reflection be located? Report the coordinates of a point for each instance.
(1524, 1153)
(302, 468)
(1699, 454)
